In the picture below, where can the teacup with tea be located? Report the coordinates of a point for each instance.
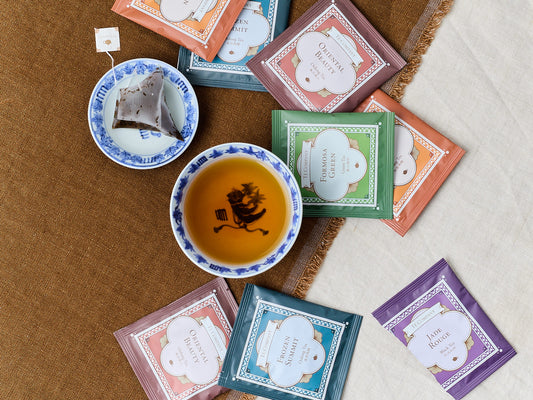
(236, 210)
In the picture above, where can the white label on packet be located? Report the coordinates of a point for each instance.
(443, 340)
(294, 352)
(348, 47)
(332, 165)
(266, 340)
(107, 39)
(214, 335)
(305, 171)
(422, 319)
(251, 29)
(189, 351)
(204, 7)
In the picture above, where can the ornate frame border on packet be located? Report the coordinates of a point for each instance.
(262, 312)
(290, 131)
(235, 75)
(201, 37)
(136, 340)
(423, 305)
(372, 58)
(443, 155)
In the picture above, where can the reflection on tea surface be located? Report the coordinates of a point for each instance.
(236, 211)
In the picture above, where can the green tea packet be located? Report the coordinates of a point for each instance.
(288, 349)
(344, 162)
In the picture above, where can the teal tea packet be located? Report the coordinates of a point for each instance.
(288, 349)
(343, 162)
(257, 25)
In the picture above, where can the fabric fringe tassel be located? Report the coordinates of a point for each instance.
(305, 281)
(407, 74)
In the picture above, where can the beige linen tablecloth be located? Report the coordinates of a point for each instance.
(475, 87)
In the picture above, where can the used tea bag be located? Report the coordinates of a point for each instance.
(177, 351)
(343, 161)
(447, 331)
(199, 25)
(329, 60)
(423, 160)
(285, 348)
(257, 25)
(143, 106)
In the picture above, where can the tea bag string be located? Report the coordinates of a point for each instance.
(112, 66)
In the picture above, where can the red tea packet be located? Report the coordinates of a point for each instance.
(423, 160)
(329, 60)
(199, 25)
(177, 351)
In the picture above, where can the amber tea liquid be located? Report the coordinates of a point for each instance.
(237, 211)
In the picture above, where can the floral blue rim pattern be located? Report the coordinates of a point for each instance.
(97, 122)
(176, 208)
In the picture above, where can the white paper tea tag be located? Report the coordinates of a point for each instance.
(107, 39)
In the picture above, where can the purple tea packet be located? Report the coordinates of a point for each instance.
(329, 60)
(443, 326)
(177, 351)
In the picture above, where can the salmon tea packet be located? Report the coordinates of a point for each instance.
(443, 326)
(258, 24)
(199, 25)
(177, 351)
(423, 160)
(329, 60)
(289, 349)
(342, 161)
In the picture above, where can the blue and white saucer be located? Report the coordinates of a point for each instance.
(137, 148)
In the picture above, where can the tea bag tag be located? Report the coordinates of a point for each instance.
(107, 39)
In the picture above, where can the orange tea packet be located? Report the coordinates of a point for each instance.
(199, 25)
(423, 159)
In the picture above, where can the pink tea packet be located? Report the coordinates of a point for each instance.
(177, 351)
(446, 330)
(199, 25)
(423, 159)
(329, 60)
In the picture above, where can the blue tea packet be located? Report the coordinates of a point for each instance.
(258, 24)
(286, 348)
